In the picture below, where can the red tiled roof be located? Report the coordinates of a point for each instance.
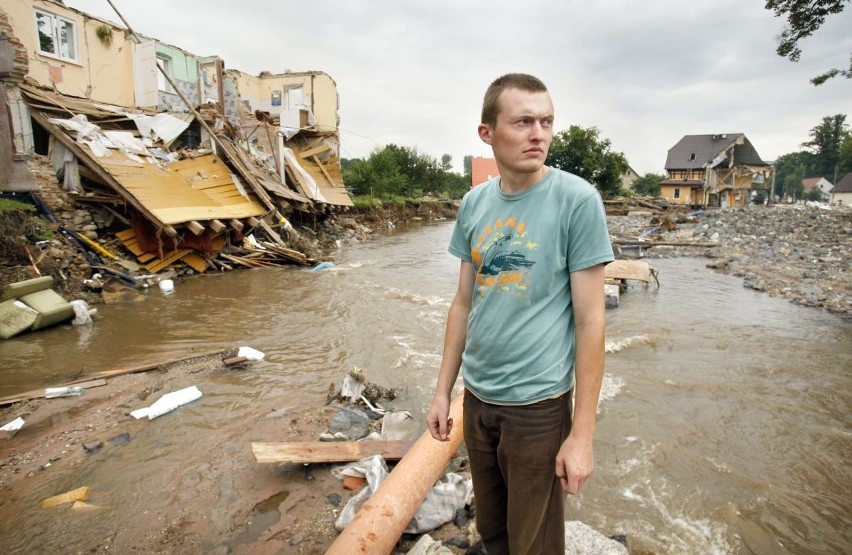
(482, 169)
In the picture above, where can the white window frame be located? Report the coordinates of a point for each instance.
(677, 192)
(62, 51)
(163, 84)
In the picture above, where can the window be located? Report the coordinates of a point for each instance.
(692, 157)
(677, 192)
(162, 83)
(57, 36)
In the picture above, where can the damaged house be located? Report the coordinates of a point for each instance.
(183, 158)
(714, 170)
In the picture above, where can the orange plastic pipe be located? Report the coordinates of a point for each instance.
(377, 527)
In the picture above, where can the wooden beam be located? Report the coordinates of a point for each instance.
(324, 171)
(236, 224)
(216, 225)
(302, 452)
(195, 227)
(254, 222)
(313, 151)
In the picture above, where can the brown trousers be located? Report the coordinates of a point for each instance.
(520, 504)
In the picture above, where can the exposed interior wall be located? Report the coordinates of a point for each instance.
(100, 72)
(274, 93)
(183, 68)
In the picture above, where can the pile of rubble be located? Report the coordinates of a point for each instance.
(799, 252)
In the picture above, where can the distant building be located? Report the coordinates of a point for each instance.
(628, 178)
(841, 194)
(821, 183)
(482, 169)
(714, 170)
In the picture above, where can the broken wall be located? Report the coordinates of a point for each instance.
(84, 65)
(287, 91)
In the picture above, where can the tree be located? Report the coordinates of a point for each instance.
(395, 171)
(793, 186)
(787, 168)
(826, 140)
(648, 184)
(804, 17)
(844, 158)
(468, 165)
(446, 162)
(580, 151)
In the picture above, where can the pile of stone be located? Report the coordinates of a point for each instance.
(799, 252)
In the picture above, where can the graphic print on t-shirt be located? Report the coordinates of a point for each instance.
(501, 258)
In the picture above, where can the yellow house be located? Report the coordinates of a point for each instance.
(714, 170)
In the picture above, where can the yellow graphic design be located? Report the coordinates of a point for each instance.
(501, 257)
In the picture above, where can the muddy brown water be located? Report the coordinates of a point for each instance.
(724, 424)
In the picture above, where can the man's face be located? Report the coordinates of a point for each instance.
(523, 132)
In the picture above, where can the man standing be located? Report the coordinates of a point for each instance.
(526, 327)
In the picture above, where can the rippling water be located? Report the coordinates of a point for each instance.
(724, 423)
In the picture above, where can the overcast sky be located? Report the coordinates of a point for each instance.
(413, 73)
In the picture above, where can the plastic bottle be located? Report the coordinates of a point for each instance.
(52, 392)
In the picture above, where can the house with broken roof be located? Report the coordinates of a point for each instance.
(718, 170)
(188, 155)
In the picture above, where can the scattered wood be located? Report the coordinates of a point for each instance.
(303, 452)
(628, 269)
(233, 361)
(97, 377)
(79, 494)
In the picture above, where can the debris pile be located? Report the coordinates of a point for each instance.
(140, 192)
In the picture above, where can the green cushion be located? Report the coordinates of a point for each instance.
(21, 288)
(15, 317)
(51, 308)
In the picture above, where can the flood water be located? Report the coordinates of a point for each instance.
(724, 425)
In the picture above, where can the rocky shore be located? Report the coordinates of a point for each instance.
(799, 252)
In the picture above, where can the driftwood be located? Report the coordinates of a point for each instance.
(88, 378)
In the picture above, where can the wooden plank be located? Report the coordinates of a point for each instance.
(196, 262)
(628, 269)
(302, 452)
(171, 258)
(314, 151)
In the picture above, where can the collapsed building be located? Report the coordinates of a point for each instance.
(183, 158)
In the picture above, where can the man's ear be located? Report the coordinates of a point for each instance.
(484, 133)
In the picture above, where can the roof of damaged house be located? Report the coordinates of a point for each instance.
(703, 151)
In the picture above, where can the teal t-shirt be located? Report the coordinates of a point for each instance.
(520, 333)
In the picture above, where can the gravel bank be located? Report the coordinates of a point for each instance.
(799, 252)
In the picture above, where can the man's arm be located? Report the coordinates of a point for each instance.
(575, 460)
(454, 339)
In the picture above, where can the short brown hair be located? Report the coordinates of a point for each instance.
(491, 102)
